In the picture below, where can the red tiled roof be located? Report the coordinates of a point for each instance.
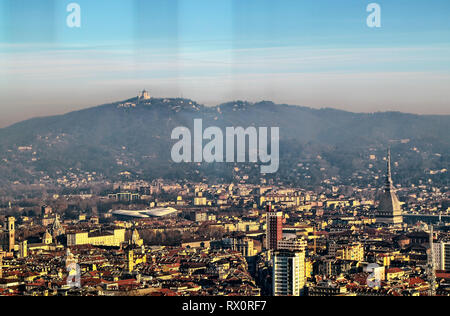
(394, 270)
(414, 281)
(125, 282)
(443, 275)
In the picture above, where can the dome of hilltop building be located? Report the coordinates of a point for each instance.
(389, 209)
(144, 95)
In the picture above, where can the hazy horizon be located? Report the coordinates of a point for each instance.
(69, 109)
(316, 54)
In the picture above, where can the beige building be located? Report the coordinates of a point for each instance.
(353, 251)
(9, 234)
(144, 95)
(200, 201)
(292, 244)
(244, 245)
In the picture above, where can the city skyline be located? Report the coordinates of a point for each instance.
(224, 153)
(319, 54)
(225, 240)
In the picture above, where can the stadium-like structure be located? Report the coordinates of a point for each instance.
(156, 212)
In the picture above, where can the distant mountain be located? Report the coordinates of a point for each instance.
(134, 137)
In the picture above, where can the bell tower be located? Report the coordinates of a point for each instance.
(11, 234)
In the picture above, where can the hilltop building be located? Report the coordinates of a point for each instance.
(23, 249)
(144, 95)
(292, 244)
(389, 210)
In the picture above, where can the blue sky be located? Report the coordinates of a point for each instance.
(317, 53)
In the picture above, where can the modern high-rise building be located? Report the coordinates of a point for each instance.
(11, 234)
(274, 227)
(288, 276)
(441, 252)
(389, 209)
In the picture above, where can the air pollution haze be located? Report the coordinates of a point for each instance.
(56, 58)
(219, 154)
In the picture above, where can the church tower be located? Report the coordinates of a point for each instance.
(144, 96)
(389, 210)
(11, 234)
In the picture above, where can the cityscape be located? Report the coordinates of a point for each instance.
(163, 238)
(227, 154)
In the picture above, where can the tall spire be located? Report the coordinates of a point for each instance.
(389, 210)
(388, 185)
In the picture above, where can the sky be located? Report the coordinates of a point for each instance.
(317, 53)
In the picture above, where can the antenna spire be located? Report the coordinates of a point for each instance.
(388, 186)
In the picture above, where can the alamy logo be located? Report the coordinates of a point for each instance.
(374, 18)
(236, 145)
(74, 272)
(375, 276)
(74, 17)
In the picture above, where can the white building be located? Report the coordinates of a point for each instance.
(442, 255)
(288, 277)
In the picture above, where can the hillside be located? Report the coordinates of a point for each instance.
(314, 144)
